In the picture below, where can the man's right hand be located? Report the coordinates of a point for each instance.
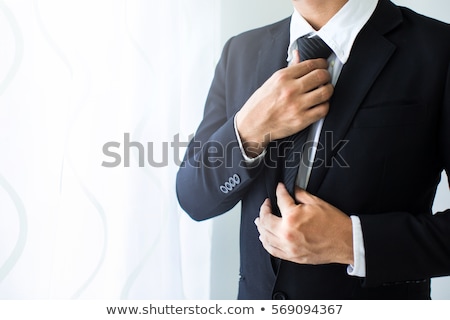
(288, 102)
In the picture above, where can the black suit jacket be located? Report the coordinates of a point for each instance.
(392, 107)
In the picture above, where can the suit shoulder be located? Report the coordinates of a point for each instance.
(426, 32)
(271, 28)
(425, 22)
(253, 36)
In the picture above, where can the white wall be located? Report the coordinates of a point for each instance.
(238, 16)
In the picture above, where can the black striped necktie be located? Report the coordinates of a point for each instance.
(309, 48)
(312, 48)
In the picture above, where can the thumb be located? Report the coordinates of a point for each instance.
(284, 199)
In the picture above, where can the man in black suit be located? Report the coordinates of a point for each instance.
(373, 117)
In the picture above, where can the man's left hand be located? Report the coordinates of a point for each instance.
(310, 231)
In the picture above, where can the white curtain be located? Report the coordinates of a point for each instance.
(74, 76)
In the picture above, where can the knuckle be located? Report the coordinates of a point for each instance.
(288, 235)
(286, 96)
(291, 217)
(322, 75)
(280, 76)
(326, 92)
(310, 65)
(330, 90)
(323, 109)
(288, 91)
(296, 252)
(301, 86)
(303, 260)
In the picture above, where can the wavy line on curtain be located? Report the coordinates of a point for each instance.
(153, 178)
(19, 247)
(50, 40)
(17, 252)
(18, 55)
(134, 42)
(66, 157)
(60, 54)
(102, 215)
(136, 272)
(89, 195)
(153, 244)
(148, 253)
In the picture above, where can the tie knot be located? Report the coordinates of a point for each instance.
(312, 48)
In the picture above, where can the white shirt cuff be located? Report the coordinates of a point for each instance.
(359, 253)
(247, 159)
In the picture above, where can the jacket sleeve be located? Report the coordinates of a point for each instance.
(213, 176)
(403, 247)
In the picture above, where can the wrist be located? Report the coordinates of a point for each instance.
(253, 142)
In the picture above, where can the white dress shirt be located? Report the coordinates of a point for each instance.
(339, 33)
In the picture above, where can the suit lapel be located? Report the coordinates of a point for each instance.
(273, 52)
(369, 56)
(272, 57)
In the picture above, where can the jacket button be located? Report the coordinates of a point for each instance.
(279, 296)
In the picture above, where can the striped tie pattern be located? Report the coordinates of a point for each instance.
(312, 48)
(309, 48)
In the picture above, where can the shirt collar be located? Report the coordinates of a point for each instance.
(340, 32)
